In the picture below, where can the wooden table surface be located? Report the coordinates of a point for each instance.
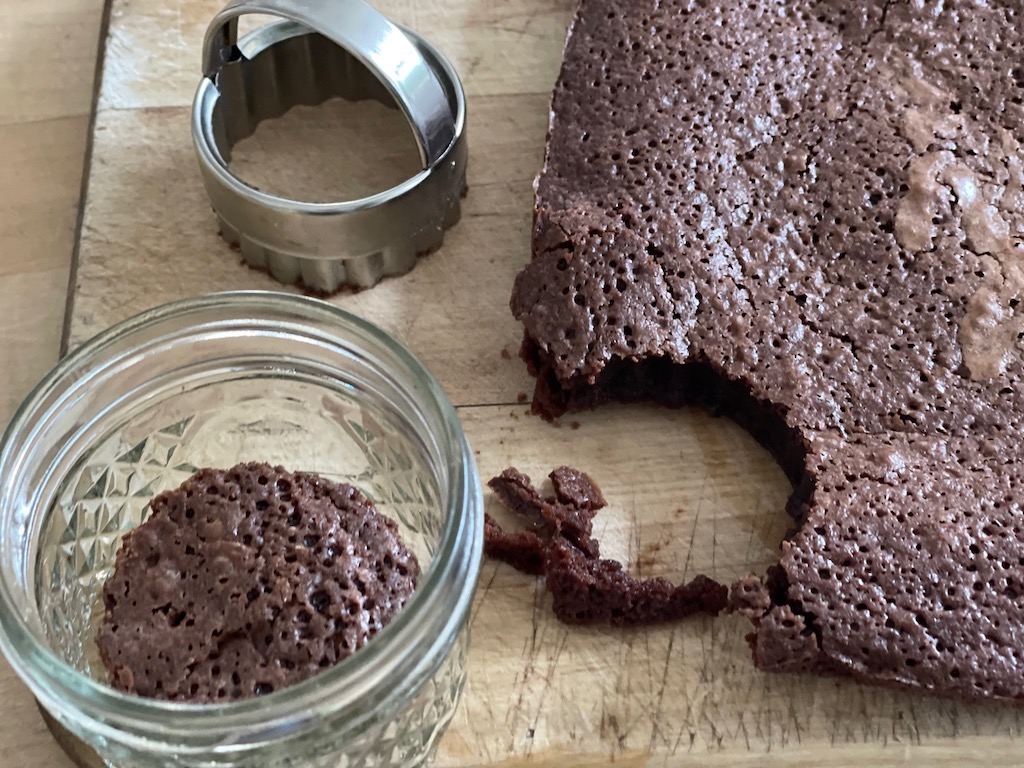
(48, 51)
(730, 714)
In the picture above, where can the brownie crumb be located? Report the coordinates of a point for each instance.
(523, 550)
(749, 597)
(558, 544)
(590, 590)
(248, 580)
(569, 514)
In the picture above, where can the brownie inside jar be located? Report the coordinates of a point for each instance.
(247, 580)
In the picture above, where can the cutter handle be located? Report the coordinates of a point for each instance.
(364, 32)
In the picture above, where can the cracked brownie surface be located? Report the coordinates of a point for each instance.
(244, 581)
(808, 215)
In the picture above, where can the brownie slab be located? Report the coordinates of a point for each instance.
(908, 568)
(806, 214)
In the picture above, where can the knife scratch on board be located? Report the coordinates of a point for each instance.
(549, 676)
(482, 594)
(659, 698)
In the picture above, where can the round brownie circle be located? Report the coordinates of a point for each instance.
(247, 580)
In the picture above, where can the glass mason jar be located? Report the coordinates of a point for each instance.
(214, 381)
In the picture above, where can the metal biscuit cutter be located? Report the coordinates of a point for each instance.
(319, 49)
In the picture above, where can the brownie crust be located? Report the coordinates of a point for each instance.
(807, 215)
(244, 581)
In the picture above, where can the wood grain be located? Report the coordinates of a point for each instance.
(688, 493)
(47, 59)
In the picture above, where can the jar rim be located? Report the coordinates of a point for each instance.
(430, 614)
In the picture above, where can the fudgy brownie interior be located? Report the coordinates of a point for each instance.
(247, 580)
(808, 214)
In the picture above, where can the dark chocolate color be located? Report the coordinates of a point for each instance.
(806, 214)
(244, 581)
(569, 514)
(586, 588)
(596, 590)
(523, 550)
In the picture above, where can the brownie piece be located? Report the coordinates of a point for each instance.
(586, 588)
(569, 514)
(247, 580)
(806, 215)
(741, 189)
(523, 550)
(908, 569)
(590, 590)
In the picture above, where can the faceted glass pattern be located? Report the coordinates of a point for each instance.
(407, 740)
(279, 421)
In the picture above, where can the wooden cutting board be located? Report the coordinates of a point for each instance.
(688, 493)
